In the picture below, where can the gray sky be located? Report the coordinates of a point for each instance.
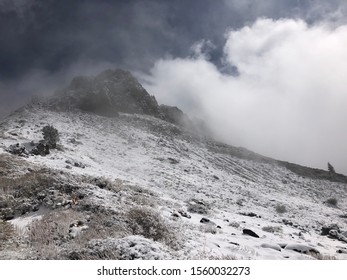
(267, 75)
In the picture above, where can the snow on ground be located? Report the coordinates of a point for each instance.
(234, 194)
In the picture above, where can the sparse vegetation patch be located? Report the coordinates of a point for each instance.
(148, 223)
(332, 201)
(280, 208)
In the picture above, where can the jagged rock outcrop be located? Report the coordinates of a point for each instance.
(106, 94)
(174, 115)
(112, 92)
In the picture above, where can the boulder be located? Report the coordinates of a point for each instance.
(40, 149)
(327, 228)
(205, 221)
(18, 150)
(303, 249)
(271, 246)
(250, 232)
(336, 235)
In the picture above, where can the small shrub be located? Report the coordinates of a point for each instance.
(6, 231)
(199, 207)
(148, 223)
(208, 228)
(332, 201)
(51, 136)
(272, 229)
(280, 209)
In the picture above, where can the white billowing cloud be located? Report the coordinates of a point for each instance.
(289, 100)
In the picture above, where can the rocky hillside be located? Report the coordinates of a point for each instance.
(137, 186)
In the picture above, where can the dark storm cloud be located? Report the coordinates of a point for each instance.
(51, 35)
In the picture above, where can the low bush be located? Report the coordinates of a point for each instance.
(272, 229)
(332, 201)
(148, 223)
(280, 208)
(6, 232)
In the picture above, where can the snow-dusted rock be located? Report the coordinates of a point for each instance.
(271, 246)
(303, 249)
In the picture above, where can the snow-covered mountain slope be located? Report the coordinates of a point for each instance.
(210, 202)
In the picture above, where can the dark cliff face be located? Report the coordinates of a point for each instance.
(108, 93)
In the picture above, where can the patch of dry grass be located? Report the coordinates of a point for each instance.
(272, 229)
(148, 223)
(46, 235)
(281, 209)
(6, 232)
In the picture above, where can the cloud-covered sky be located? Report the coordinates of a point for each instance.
(266, 74)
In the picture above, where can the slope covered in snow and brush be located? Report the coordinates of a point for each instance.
(140, 185)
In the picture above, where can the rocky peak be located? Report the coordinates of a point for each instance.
(108, 93)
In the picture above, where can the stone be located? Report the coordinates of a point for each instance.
(173, 161)
(18, 150)
(41, 149)
(336, 235)
(271, 246)
(303, 249)
(327, 228)
(204, 221)
(250, 232)
(184, 214)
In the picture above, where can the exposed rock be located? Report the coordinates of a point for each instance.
(250, 214)
(250, 233)
(286, 222)
(205, 221)
(18, 150)
(336, 235)
(175, 215)
(326, 229)
(271, 246)
(173, 160)
(76, 228)
(303, 249)
(40, 149)
(341, 251)
(79, 165)
(282, 245)
(184, 214)
(173, 115)
(107, 94)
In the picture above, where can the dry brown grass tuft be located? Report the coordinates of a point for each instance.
(6, 232)
(280, 208)
(148, 223)
(46, 235)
